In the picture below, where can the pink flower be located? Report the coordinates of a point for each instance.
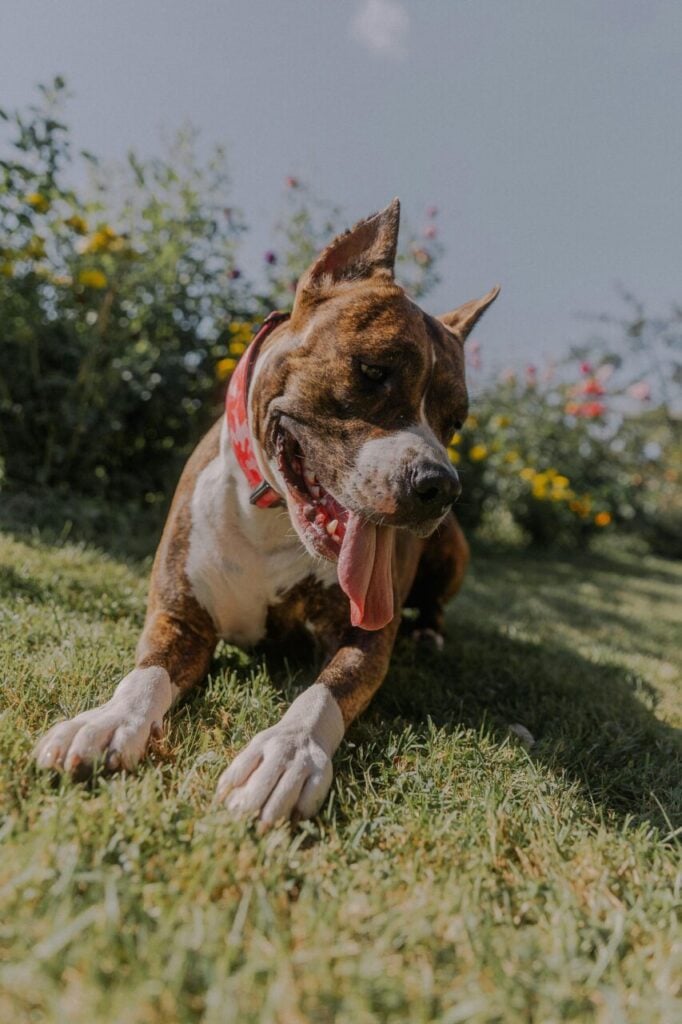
(586, 368)
(641, 390)
(473, 355)
(431, 212)
(431, 231)
(234, 274)
(291, 182)
(531, 375)
(270, 257)
(604, 372)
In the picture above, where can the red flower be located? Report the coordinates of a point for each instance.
(586, 368)
(592, 387)
(590, 410)
(585, 410)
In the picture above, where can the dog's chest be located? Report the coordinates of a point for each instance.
(242, 560)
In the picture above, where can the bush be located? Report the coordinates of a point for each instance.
(124, 313)
(571, 455)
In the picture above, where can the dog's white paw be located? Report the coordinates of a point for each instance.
(286, 770)
(116, 734)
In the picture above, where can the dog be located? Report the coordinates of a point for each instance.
(324, 498)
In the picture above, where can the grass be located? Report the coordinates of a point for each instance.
(453, 875)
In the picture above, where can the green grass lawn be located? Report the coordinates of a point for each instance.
(453, 875)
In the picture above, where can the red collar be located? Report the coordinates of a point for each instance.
(236, 409)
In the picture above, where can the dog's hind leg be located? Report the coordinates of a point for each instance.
(440, 574)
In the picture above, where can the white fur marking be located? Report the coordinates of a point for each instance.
(287, 769)
(118, 730)
(242, 559)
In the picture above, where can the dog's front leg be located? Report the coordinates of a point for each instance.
(286, 770)
(171, 657)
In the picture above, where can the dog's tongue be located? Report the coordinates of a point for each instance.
(365, 572)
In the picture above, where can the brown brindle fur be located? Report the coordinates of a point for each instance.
(178, 633)
(358, 312)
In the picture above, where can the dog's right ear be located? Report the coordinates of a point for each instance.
(367, 250)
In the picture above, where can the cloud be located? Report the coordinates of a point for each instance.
(382, 26)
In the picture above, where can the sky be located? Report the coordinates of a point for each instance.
(547, 133)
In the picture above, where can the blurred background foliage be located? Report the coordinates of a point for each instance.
(124, 311)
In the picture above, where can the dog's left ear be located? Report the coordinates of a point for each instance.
(463, 319)
(367, 250)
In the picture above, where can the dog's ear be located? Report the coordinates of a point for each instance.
(463, 319)
(367, 250)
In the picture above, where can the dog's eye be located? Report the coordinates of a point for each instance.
(375, 373)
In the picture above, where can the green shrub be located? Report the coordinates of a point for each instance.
(571, 456)
(124, 313)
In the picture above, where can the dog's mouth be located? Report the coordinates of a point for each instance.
(320, 516)
(363, 551)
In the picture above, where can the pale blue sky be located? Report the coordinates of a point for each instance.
(548, 133)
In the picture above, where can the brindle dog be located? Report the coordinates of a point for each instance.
(350, 405)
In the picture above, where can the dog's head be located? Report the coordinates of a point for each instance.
(354, 400)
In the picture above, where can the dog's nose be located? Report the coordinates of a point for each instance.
(436, 486)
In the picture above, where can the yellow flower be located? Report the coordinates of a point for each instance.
(455, 439)
(560, 482)
(35, 247)
(455, 457)
(40, 203)
(478, 453)
(539, 486)
(512, 457)
(242, 330)
(224, 367)
(602, 518)
(527, 473)
(237, 347)
(471, 422)
(77, 223)
(92, 279)
(500, 422)
(103, 239)
(6, 269)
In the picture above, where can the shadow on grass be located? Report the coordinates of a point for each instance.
(125, 531)
(595, 722)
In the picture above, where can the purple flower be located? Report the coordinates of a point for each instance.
(234, 274)
(270, 257)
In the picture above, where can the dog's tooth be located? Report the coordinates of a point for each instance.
(331, 527)
(309, 477)
(314, 490)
